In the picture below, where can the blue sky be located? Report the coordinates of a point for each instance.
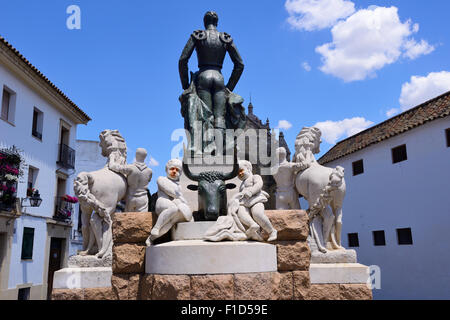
(341, 61)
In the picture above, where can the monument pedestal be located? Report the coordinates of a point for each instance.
(203, 257)
(293, 277)
(82, 278)
(85, 278)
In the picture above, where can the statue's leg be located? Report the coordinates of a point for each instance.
(85, 227)
(253, 228)
(163, 219)
(97, 228)
(261, 219)
(328, 223)
(219, 110)
(294, 202)
(338, 227)
(106, 235)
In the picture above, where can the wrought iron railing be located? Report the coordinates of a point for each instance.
(66, 156)
(63, 210)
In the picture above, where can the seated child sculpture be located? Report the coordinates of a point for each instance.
(251, 199)
(171, 207)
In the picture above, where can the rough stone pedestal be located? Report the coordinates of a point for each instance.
(332, 256)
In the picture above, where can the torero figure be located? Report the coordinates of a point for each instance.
(286, 194)
(138, 176)
(207, 103)
(251, 199)
(171, 207)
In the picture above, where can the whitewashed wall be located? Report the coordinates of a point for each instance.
(39, 154)
(411, 194)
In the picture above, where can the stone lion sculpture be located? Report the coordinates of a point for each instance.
(98, 193)
(323, 188)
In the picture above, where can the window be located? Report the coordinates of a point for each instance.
(353, 240)
(399, 154)
(32, 176)
(38, 119)
(358, 167)
(379, 238)
(447, 135)
(404, 236)
(27, 243)
(24, 294)
(8, 105)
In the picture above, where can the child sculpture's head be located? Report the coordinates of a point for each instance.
(245, 169)
(174, 169)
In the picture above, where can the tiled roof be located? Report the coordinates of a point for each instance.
(48, 82)
(436, 108)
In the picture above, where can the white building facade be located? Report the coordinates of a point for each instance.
(39, 120)
(396, 213)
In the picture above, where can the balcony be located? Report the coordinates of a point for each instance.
(63, 210)
(66, 157)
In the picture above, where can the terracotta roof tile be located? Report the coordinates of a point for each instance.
(436, 108)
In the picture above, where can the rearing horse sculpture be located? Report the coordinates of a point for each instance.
(98, 193)
(323, 188)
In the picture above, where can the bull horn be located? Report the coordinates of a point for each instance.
(234, 173)
(187, 172)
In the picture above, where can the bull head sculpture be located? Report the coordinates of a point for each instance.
(212, 189)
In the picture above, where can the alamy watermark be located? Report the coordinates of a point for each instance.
(374, 280)
(73, 22)
(255, 145)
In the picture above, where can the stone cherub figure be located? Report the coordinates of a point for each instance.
(138, 177)
(286, 194)
(245, 215)
(171, 207)
(207, 103)
(251, 198)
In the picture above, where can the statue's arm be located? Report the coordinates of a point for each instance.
(125, 170)
(183, 62)
(238, 66)
(168, 187)
(257, 185)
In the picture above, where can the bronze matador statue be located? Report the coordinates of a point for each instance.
(207, 103)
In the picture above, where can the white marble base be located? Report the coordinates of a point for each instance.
(338, 273)
(202, 257)
(191, 230)
(78, 278)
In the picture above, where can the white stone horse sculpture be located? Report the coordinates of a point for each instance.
(323, 188)
(98, 193)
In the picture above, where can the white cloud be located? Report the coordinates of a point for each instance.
(422, 89)
(152, 162)
(284, 124)
(306, 66)
(332, 131)
(415, 49)
(392, 112)
(312, 15)
(367, 41)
